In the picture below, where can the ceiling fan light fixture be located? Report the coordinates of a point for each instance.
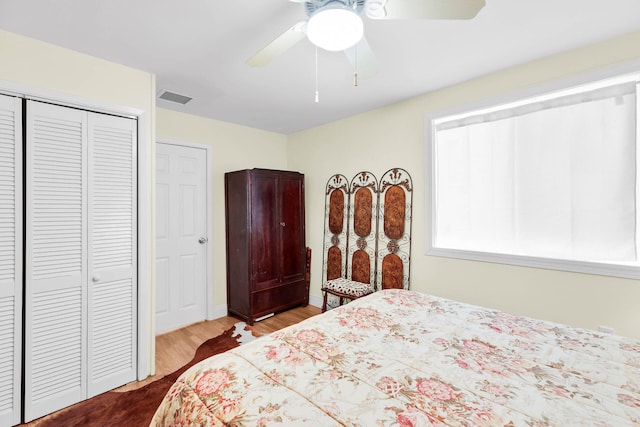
(335, 27)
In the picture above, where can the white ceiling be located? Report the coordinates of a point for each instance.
(198, 48)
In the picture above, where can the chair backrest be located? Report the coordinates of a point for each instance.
(361, 240)
(307, 276)
(394, 229)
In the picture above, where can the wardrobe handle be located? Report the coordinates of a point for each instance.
(95, 279)
(282, 224)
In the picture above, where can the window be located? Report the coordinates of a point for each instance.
(546, 181)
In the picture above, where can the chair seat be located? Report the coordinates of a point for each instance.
(345, 288)
(348, 287)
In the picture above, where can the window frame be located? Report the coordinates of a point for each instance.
(621, 72)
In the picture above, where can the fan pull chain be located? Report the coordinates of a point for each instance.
(355, 66)
(317, 92)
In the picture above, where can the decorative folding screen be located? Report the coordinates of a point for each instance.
(368, 229)
(394, 229)
(335, 227)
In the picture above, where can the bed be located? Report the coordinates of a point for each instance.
(402, 358)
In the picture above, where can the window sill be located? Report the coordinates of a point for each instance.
(602, 269)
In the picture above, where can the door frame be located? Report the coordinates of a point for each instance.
(145, 363)
(208, 218)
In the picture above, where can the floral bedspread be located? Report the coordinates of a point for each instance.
(401, 358)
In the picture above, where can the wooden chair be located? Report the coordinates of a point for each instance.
(307, 278)
(344, 289)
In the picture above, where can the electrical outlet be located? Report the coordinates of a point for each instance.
(606, 330)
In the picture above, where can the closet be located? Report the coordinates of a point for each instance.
(80, 256)
(266, 253)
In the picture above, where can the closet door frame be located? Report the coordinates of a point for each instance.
(12, 415)
(146, 336)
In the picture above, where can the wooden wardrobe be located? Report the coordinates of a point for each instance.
(266, 251)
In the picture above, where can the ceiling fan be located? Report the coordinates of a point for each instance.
(336, 25)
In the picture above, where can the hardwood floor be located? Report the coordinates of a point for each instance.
(176, 348)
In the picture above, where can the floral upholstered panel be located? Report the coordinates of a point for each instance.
(394, 230)
(361, 245)
(335, 227)
(400, 358)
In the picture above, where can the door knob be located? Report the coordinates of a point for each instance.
(203, 240)
(95, 278)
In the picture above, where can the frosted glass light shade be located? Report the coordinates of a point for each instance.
(335, 28)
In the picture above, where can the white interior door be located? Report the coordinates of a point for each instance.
(181, 235)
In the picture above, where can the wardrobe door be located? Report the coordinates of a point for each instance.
(290, 198)
(55, 279)
(265, 230)
(10, 258)
(112, 252)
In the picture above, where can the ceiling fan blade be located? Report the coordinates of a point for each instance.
(362, 58)
(277, 47)
(424, 9)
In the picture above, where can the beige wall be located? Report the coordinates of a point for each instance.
(46, 66)
(233, 147)
(394, 137)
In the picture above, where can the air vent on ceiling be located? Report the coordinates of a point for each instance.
(174, 97)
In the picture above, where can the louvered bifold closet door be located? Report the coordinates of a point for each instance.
(81, 256)
(112, 252)
(10, 258)
(55, 278)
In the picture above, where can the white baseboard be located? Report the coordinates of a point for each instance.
(218, 312)
(315, 301)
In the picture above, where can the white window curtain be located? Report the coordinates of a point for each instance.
(554, 178)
